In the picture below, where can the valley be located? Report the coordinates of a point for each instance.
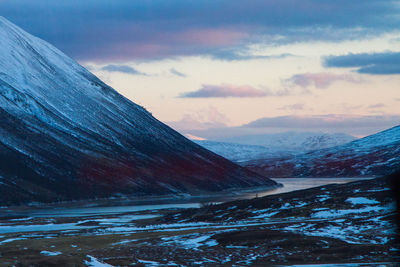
(90, 178)
(351, 222)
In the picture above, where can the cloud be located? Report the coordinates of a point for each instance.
(324, 121)
(320, 80)
(379, 105)
(240, 53)
(224, 90)
(105, 30)
(177, 73)
(334, 123)
(193, 122)
(368, 63)
(194, 137)
(209, 118)
(211, 36)
(123, 69)
(350, 108)
(297, 106)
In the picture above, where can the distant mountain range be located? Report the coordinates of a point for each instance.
(374, 155)
(296, 142)
(65, 135)
(239, 152)
(251, 147)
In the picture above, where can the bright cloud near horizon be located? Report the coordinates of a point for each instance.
(224, 68)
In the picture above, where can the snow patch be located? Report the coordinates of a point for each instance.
(361, 201)
(10, 240)
(190, 241)
(50, 253)
(95, 262)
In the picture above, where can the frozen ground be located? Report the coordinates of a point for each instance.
(348, 223)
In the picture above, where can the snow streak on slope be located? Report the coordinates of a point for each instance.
(65, 134)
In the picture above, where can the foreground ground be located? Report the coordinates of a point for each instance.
(349, 223)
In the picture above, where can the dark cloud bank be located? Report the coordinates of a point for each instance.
(226, 90)
(373, 63)
(103, 30)
(122, 68)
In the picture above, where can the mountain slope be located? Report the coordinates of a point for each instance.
(66, 135)
(377, 154)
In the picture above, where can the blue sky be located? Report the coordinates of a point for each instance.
(203, 66)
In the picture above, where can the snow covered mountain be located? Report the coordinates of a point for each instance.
(240, 152)
(64, 135)
(294, 142)
(377, 154)
(268, 146)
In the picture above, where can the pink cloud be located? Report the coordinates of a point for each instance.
(194, 137)
(169, 44)
(320, 80)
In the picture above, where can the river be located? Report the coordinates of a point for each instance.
(292, 184)
(289, 184)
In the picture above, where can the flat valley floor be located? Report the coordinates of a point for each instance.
(353, 224)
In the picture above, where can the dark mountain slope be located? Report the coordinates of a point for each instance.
(66, 135)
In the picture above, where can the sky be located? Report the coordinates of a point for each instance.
(217, 69)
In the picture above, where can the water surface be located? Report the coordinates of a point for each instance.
(293, 184)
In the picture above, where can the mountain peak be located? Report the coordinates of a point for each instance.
(7, 27)
(4, 21)
(40, 75)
